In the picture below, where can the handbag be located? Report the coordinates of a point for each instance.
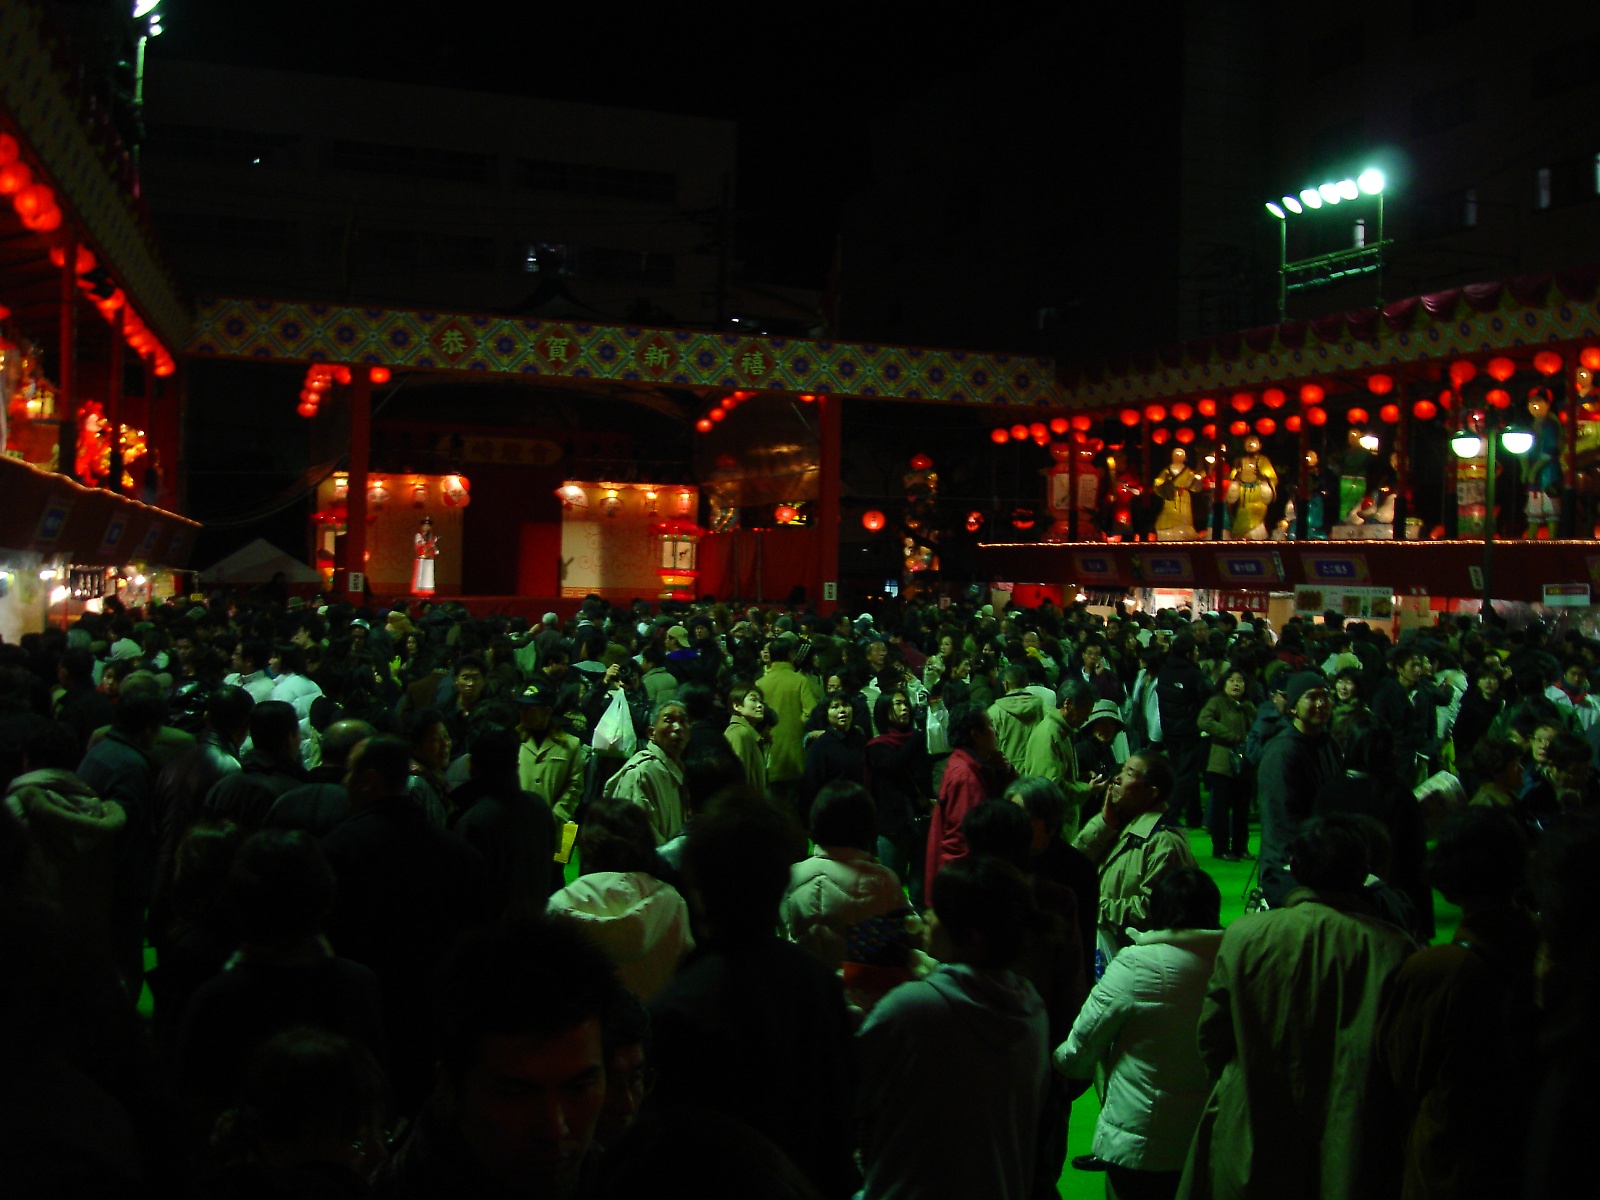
(613, 735)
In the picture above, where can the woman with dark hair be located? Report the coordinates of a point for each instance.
(1139, 1022)
(1370, 786)
(899, 779)
(1226, 720)
(620, 900)
(976, 772)
(838, 752)
(1480, 706)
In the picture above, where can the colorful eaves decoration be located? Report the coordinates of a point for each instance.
(1476, 319)
(233, 328)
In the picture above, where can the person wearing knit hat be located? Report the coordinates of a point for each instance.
(1294, 766)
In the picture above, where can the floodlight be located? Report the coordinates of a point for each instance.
(1517, 441)
(1330, 192)
(1466, 445)
(1347, 189)
(1310, 198)
(1290, 203)
(1369, 442)
(1275, 210)
(1370, 181)
(143, 8)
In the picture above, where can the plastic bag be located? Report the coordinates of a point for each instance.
(614, 736)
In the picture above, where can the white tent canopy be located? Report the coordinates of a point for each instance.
(258, 562)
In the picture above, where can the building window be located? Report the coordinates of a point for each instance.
(605, 183)
(1442, 109)
(599, 264)
(202, 143)
(1446, 213)
(412, 162)
(1570, 181)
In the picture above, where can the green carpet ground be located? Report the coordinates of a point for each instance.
(1234, 880)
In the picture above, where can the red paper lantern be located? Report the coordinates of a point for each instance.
(1273, 397)
(1590, 357)
(1546, 362)
(1038, 431)
(784, 513)
(1181, 411)
(45, 222)
(1389, 414)
(8, 150)
(1020, 432)
(84, 259)
(1242, 402)
(1292, 422)
(1059, 426)
(1501, 369)
(1206, 407)
(1184, 434)
(1356, 416)
(704, 425)
(307, 408)
(14, 176)
(974, 521)
(1317, 416)
(342, 373)
(1499, 398)
(33, 200)
(1159, 436)
(1154, 413)
(873, 520)
(1239, 428)
(999, 436)
(1380, 384)
(1312, 393)
(1425, 410)
(1129, 417)
(380, 375)
(1266, 427)
(806, 397)
(1462, 373)
(1082, 422)
(921, 462)
(1022, 518)
(718, 414)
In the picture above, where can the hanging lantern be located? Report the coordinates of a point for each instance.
(306, 408)
(921, 462)
(1129, 417)
(784, 514)
(1462, 373)
(1266, 427)
(341, 485)
(1499, 398)
(1059, 426)
(380, 375)
(680, 548)
(974, 521)
(1389, 414)
(1446, 399)
(1239, 428)
(1273, 398)
(1317, 416)
(1292, 423)
(1159, 436)
(1155, 414)
(1312, 393)
(1357, 416)
(1082, 422)
(1380, 384)
(377, 495)
(1184, 434)
(14, 176)
(1590, 357)
(419, 495)
(704, 425)
(1501, 369)
(611, 502)
(46, 221)
(1019, 432)
(33, 200)
(872, 520)
(1209, 432)
(1546, 362)
(1022, 518)
(572, 496)
(999, 436)
(685, 503)
(1242, 402)
(455, 488)
(342, 374)
(1039, 431)
(1182, 411)
(1425, 410)
(1206, 407)
(718, 414)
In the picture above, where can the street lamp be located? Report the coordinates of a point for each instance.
(1468, 444)
(1365, 256)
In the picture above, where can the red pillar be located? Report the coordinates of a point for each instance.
(114, 400)
(830, 429)
(66, 383)
(355, 533)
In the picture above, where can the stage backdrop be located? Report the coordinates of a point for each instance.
(391, 532)
(606, 544)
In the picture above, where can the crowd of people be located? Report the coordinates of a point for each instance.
(309, 900)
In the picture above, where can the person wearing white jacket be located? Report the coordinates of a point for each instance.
(1140, 1021)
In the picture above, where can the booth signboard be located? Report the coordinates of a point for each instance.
(1095, 567)
(1163, 569)
(1258, 567)
(1362, 603)
(1242, 601)
(1566, 595)
(1328, 568)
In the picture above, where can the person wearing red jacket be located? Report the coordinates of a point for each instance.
(976, 772)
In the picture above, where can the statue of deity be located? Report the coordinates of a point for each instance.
(1176, 485)
(1251, 487)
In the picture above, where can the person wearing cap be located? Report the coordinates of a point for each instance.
(551, 761)
(1050, 753)
(653, 777)
(1096, 743)
(1294, 767)
(790, 696)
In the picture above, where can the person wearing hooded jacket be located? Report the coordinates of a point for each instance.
(1015, 715)
(953, 1071)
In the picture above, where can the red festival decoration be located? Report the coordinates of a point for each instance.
(1501, 369)
(1154, 413)
(1425, 410)
(1273, 398)
(1160, 436)
(380, 375)
(1242, 402)
(1292, 422)
(921, 462)
(1266, 427)
(1357, 416)
(1547, 362)
(1019, 432)
(1499, 398)
(872, 520)
(1129, 417)
(1206, 407)
(1590, 357)
(1239, 428)
(1082, 422)
(1462, 373)
(974, 521)
(1312, 393)
(1389, 414)
(1380, 384)
(1184, 434)
(999, 436)
(1059, 425)
(1181, 411)
(1317, 416)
